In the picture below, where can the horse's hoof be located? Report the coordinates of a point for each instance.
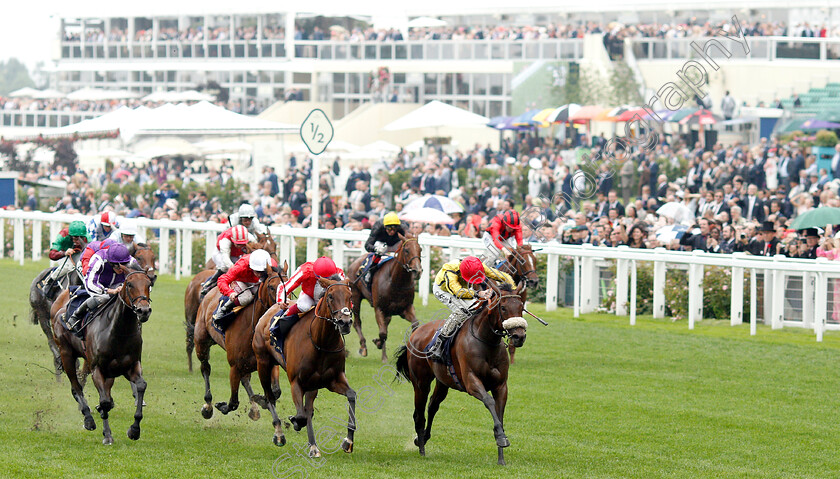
(423, 451)
(90, 424)
(280, 441)
(363, 352)
(260, 400)
(133, 433)
(206, 411)
(225, 408)
(347, 445)
(502, 441)
(277, 392)
(314, 452)
(297, 422)
(378, 343)
(254, 414)
(502, 462)
(108, 441)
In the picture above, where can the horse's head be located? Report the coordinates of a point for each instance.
(524, 263)
(146, 259)
(250, 247)
(135, 293)
(267, 243)
(409, 255)
(507, 319)
(335, 305)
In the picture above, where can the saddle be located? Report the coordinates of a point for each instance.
(282, 329)
(221, 324)
(368, 265)
(79, 295)
(446, 356)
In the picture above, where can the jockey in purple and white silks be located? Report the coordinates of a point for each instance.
(105, 276)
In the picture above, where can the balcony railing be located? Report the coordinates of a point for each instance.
(761, 48)
(44, 118)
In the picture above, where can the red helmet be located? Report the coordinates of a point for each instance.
(108, 218)
(472, 270)
(511, 219)
(324, 267)
(239, 235)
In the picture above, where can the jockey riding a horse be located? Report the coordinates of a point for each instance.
(247, 217)
(385, 234)
(103, 227)
(128, 235)
(229, 251)
(505, 232)
(239, 285)
(92, 248)
(105, 277)
(69, 244)
(460, 299)
(306, 276)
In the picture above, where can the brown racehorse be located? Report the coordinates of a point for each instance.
(236, 341)
(192, 293)
(522, 266)
(392, 291)
(479, 359)
(314, 350)
(112, 347)
(146, 259)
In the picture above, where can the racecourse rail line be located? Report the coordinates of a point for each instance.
(815, 274)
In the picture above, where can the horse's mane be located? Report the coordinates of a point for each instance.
(142, 245)
(505, 287)
(135, 267)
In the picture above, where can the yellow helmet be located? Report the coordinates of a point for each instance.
(391, 219)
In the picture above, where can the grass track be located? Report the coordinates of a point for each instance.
(588, 398)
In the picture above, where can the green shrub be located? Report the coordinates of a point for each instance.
(826, 138)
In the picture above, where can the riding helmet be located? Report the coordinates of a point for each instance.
(472, 270)
(246, 211)
(391, 219)
(511, 219)
(239, 235)
(108, 218)
(117, 253)
(324, 267)
(77, 228)
(259, 260)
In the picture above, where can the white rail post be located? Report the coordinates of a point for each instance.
(621, 272)
(659, 288)
(311, 248)
(292, 245)
(808, 299)
(588, 284)
(632, 292)
(179, 233)
(186, 252)
(695, 294)
(736, 309)
(753, 301)
(338, 252)
(36, 239)
(19, 240)
(2, 237)
(768, 296)
(55, 227)
(552, 281)
(576, 279)
(210, 245)
(164, 250)
(820, 302)
(778, 300)
(425, 277)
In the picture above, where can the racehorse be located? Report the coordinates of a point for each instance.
(479, 363)
(111, 347)
(391, 292)
(192, 293)
(522, 266)
(314, 359)
(146, 259)
(236, 341)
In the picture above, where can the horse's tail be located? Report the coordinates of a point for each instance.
(401, 356)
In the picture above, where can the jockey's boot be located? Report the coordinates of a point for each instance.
(208, 285)
(51, 288)
(223, 310)
(436, 350)
(75, 319)
(279, 322)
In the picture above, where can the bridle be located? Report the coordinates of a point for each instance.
(132, 304)
(345, 311)
(407, 264)
(500, 333)
(508, 264)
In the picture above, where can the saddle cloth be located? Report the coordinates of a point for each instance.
(79, 295)
(282, 329)
(446, 355)
(221, 324)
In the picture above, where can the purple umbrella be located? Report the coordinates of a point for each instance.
(815, 124)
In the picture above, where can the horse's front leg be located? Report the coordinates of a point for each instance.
(382, 321)
(476, 389)
(299, 419)
(256, 400)
(106, 403)
(500, 396)
(411, 316)
(357, 324)
(309, 410)
(233, 403)
(340, 386)
(139, 386)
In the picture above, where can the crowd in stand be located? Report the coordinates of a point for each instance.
(104, 106)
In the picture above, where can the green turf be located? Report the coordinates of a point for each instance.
(588, 398)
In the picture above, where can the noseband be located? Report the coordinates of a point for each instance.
(503, 333)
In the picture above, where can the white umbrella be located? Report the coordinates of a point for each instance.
(48, 94)
(436, 114)
(426, 22)
(427, 215)
(666, 234)
(25, 92)
(437, 202)
(676, 210)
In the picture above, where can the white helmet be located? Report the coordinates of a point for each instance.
(246, 211)
(259, 260)
(128, 227)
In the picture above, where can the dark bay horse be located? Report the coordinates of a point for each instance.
(314, 350)
(111, 347)
(392, 291)
(192, 293)
(479, 358)
(522, 266)
(236, 342)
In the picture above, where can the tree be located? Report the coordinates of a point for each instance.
(13, 76)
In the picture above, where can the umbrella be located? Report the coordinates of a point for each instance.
(25, 92)
(526, 119)
(814, 124)
(676, 210)
(427, 215)
(426, 22)
(505, 123)
(817, 218)
(561, 115)
(586, 113)
(631, 113)
(701, 117)
(438, 202)
(669, 233)
(542, 117)
(680, 114)
(48, 94)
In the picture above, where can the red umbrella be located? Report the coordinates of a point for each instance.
(701, 117)
(628, 115)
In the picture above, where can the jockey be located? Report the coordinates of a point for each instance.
(505, 231)
(92, 248)
(104, 227)
(461, 300)
(69, 244)
(128, 234)
(383, 235)
(239, 284)
(306, 276)
(229, 246)
(247, 217)
(108, 268)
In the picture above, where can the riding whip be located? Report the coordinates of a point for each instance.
(536, 317)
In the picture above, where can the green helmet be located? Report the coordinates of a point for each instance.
(77, 228)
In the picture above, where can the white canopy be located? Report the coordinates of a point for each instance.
(48, 94)
(178, 96)
(96, 94)
(437, 114)
(25, 92)
(424, 22)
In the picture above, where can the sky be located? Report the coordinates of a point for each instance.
(27, 31)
